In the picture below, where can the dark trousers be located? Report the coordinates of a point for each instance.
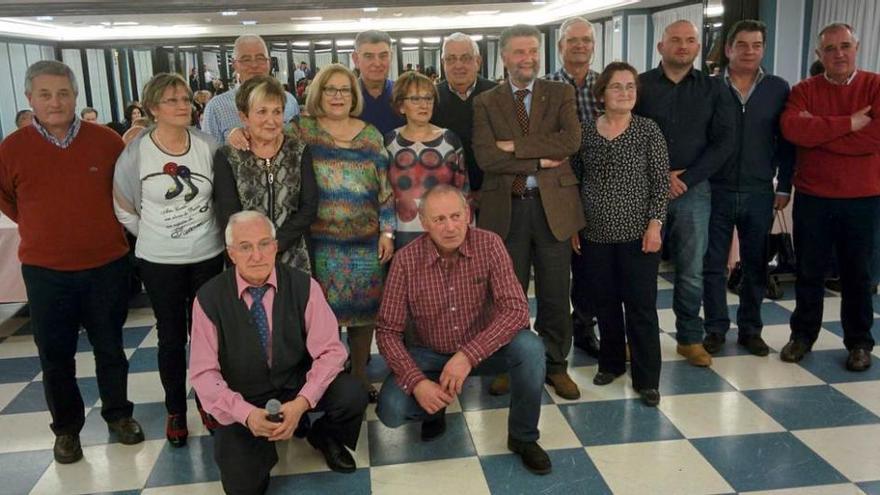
(61, 302)
(623, 292)
(849, 225)
(580, 300)
(172, 289)
(396, 407)
(531, 243)
(752, 215)
(245, 460)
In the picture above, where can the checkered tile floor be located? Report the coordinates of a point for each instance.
(748, 424)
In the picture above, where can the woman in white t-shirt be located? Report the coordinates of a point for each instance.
(162, 191)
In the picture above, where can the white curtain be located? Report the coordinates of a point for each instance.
(663, 18)
(598, 62)
(862, 15)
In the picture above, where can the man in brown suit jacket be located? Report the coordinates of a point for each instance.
(524, 131)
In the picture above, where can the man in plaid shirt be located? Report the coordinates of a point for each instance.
(576, 43)
(456, 285)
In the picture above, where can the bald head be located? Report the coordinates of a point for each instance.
(680, 44)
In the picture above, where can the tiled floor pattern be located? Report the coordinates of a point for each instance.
(747, 424)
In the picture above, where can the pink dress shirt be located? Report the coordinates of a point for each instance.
(322, 342)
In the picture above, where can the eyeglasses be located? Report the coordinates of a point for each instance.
(415, 100)
(173, 102)
(620, 88)
(259, 60)
(452, 59)
(263, 247)
(334, 91)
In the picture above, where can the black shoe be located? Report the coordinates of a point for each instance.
(176, 430)
(604, 378)
(755, 344)
(67, 449)
(338, 458)
(794, 351)
(834, 284)
(435, 427)
(127, 430)
(585, 336)
(650, 396)
(713, 342)
(858, 360)
(533, 456)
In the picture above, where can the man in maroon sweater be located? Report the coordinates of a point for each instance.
(56, 179)
(832, 120)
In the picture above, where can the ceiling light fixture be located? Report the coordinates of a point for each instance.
(229, 13)
(249, 23)
(432, 39)
(45, 18)
(300, 43)
(483, 12)
(409, 41)
(371, 9)
(310, 18)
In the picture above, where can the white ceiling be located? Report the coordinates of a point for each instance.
(183, 24)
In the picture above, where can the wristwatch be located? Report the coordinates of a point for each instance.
(389, 235)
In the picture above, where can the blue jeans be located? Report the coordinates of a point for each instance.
(522, 358)
(61, 302)
(850, 226)
(687, 223)
(752, 215)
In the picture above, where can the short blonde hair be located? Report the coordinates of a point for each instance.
(257, 89)
(316, 88)
(155, 88)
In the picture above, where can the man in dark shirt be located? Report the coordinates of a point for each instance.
(454, 107)
(457, 285)
(695, 113)
(742, 191)
(576, 43)
(372, 57)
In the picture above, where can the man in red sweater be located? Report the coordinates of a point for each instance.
(832, 120)
(56, 179)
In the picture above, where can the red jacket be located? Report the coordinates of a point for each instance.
(832, 160)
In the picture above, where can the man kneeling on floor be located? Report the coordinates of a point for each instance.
(241, 358)
(457, 286)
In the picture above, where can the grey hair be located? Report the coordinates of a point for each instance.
(441, 189)
(242, 217)
(370, 37)
(248, 38)
(834, 26)
(569, 23)
(516, 31)
(456, 37)
(49, 68)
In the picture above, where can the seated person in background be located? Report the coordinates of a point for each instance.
(458, 287)
(89, 114)
(23, 118)
(241, 359)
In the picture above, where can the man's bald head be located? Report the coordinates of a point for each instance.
(680, 44)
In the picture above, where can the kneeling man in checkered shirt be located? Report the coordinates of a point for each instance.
(456, 286)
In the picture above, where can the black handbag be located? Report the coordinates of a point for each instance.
(781, 246)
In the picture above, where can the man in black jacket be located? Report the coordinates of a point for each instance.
(742, 191)
(454, 107)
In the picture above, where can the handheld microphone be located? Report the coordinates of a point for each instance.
(273, 408)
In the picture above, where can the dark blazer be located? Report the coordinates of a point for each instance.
(554, 132)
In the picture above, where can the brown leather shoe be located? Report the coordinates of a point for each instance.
(500, 385)
(695, 354)
(563, 384)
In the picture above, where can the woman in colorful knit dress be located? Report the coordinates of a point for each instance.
(352, 237)
(422, 154)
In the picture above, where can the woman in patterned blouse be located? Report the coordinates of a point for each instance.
(353, 235)
(273, 176)
(422, 154)
(624, 191)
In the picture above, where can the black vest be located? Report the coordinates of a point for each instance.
(242, 362)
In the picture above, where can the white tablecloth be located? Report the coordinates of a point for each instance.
(11, 283)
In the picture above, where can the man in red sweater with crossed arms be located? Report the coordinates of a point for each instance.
(832, 120)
